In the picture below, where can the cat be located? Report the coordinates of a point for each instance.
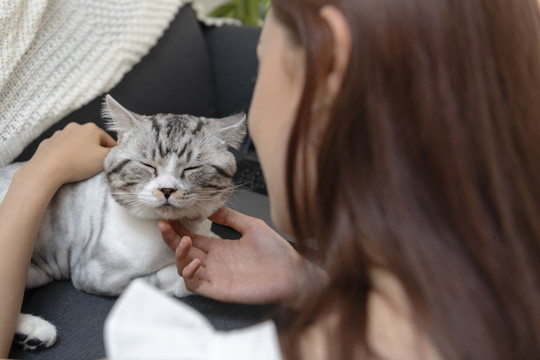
(102, 233)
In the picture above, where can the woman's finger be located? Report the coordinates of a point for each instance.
(180, 229)
(189, 271)
(169, 235)
(182, 251)
(233, 219)
(185, 252)
(106, 140)
(172, 233)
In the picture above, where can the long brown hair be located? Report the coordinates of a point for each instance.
(429, 168)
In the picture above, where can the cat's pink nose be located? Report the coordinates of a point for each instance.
(167, 192)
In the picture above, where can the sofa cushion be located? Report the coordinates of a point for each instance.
(233, 57)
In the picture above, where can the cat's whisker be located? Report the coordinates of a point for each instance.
(204, 197)
(209, 204)
(205, 204)
(232, 202)
(236, 186)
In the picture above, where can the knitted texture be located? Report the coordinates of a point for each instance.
(58, 55)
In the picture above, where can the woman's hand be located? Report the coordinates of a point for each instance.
(259, 268)
(72, 154)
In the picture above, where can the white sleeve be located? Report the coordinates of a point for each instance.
(147, 324)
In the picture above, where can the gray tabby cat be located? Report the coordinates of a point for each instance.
(102, 233)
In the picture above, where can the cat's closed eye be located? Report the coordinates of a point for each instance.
(150, 167)
(190, 169)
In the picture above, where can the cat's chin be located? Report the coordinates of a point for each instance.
(161, 213)
(171, 212)
(168, 212)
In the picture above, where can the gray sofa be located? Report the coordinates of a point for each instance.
(204, 71)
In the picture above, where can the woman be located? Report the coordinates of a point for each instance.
(402, 136)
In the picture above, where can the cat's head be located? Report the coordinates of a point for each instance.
(169, 166)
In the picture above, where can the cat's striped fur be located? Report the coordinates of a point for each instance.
(102, 233)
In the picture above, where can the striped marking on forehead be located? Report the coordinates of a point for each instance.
(166, 129)
(174, 134)
(198, 127)
(171, 124)
(186, 150)
(179, 124)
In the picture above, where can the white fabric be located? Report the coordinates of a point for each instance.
(57, 55)
(147, 324)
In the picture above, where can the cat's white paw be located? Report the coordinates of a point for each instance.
(33, 332)
(180, 291)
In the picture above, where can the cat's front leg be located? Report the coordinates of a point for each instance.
(37, 277)
(168, 280)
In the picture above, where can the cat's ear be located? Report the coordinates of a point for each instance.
(121, 119)
(232, 129)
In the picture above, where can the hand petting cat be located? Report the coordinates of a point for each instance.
(259, 268)
(72, 154)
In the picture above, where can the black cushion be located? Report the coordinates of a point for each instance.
(232, 51)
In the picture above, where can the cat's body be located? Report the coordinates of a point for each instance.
(102, 233)
(97, 242)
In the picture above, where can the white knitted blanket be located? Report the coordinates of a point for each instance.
(57, 55)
